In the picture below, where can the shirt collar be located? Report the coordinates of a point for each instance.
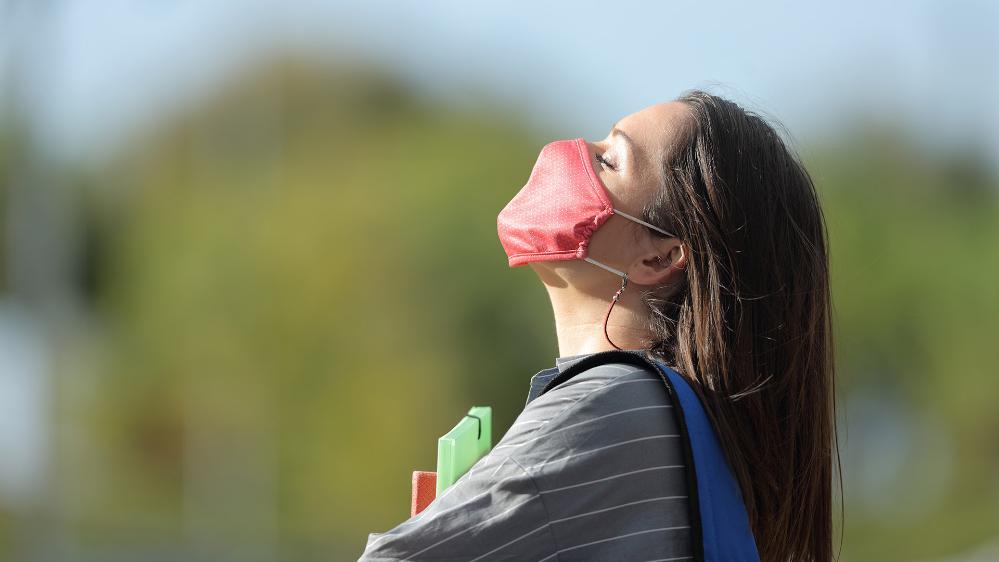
(544, 376)
(563, 363)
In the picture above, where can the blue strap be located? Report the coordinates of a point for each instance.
(724, 524)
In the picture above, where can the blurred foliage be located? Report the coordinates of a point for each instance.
(914, 263)
(301, 278)
(307, 264)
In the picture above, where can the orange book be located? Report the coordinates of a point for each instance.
(424, 490)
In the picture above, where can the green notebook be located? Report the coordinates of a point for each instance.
(461, 447)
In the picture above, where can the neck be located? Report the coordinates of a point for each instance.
(579, 319)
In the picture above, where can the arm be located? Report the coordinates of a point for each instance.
(494, 509)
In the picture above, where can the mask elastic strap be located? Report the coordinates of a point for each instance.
(617, 272)
(643, 223)
(621, 274)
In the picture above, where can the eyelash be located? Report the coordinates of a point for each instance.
(600, 158)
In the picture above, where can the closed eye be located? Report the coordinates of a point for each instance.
(604, 163)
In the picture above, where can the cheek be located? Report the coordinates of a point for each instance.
(642, 188)
(612, 239)
(628, 193)
(629, 190)
(618, 188)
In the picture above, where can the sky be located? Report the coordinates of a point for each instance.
(89, 74)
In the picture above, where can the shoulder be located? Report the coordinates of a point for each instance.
(595, 391)
(602, 406)
(493, 507)
(605, 453)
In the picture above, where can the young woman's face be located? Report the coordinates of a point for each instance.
(629, 159)
(629, 163)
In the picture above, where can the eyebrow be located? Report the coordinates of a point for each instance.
(631, 144)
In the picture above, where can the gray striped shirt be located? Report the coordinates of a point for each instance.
(591, 470)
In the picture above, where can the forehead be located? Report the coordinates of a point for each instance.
(651, 130)
(653, 127)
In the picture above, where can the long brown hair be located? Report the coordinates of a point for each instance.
(751, 325)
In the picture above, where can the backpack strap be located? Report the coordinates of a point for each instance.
(719, 523)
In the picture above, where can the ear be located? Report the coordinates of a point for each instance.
(663, 265)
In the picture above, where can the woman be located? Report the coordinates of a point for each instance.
(696, 226)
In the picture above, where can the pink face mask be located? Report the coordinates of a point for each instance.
(555, 214)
